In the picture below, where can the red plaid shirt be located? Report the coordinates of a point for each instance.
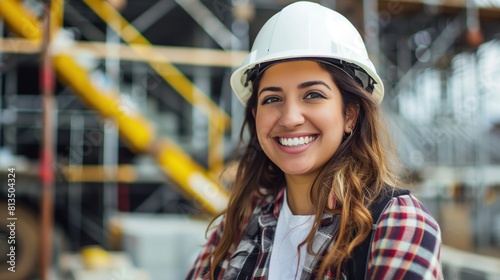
(406, 245)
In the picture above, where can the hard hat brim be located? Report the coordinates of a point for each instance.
(239, 79)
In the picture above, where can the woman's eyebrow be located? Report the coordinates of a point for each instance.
(313, 83)
(301, 86)
(275, 89)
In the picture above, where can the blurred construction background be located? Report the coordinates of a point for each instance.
(119, 120)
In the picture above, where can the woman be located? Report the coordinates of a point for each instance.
(315, 178)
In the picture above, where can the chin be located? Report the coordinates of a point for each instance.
(295, 171)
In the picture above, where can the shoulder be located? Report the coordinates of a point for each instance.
(408, 209)
(407, 220)
(406, 243)
(201, 267)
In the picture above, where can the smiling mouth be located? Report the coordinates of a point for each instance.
(296, 141)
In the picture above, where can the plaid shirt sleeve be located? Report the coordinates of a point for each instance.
(201, 267)
(406, 243)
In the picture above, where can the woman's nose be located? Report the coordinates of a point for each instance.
(291, 115)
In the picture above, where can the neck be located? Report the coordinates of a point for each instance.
(297, 194)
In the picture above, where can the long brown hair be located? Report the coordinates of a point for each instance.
(354, 176)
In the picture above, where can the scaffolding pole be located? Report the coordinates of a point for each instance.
(47, 150)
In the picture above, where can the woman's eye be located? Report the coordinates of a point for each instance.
(270, 99)
(314, 95)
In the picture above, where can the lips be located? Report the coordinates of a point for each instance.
(296, 141)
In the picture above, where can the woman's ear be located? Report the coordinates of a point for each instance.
(351, 116)
(253, 112)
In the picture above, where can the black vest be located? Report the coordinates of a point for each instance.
(357, 265)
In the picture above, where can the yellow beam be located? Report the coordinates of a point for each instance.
(166, 70)
(176, 55)
(171, 75)
(56, 15)
(97, 173)
(134, 128)
(22, 21)
(19, 46)
(178, 169)
(195, 180)
(162, 54)
(215, 147)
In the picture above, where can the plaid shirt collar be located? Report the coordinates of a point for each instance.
(250, 259)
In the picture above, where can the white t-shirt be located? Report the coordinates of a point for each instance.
(291, 230)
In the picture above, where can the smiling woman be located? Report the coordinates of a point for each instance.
(299, 100)
(314, 196)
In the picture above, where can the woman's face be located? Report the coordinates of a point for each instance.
(299, 117)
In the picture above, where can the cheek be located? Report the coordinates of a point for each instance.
(260, 125)
(329, 115)
(263, 122)
(331, 123)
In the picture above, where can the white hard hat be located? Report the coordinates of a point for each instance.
(305, 30)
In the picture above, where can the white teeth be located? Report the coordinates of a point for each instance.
(297, 141)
